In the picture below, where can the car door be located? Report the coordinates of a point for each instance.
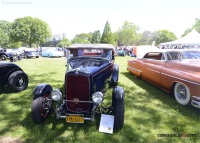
(152, 67)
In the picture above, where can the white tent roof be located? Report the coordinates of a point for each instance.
(193, 38)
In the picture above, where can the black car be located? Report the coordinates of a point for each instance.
(30, 53)
(13, 76)
(3, 55)
(90, 71)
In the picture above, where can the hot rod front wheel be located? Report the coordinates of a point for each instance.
(182, 93)
(41, 108)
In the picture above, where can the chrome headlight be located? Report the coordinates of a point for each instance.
(56, 95)
(97, 97)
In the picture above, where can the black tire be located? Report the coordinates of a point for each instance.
(19, 57)
(18, 81)
(118, 112)
(38, 112)
(3, 57)
(37, 56)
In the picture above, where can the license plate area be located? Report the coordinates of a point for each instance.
(72, 118)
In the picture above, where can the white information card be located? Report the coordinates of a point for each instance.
(106, 123)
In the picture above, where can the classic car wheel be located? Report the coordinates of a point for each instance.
(3, 57)
(182, 93)
(118, 107)
(40, 109)
(18, 81)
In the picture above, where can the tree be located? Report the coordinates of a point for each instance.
(5, 28)
(30, 30)
(83, 38)
(64, 42)
(128, 33)
(96, 37)
(107, 35)
(186, 32)
(195, 26)
(162, 36)
(147, 38)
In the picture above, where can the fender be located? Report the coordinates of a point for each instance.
(118, 93)
(42, 89)
(115, 73)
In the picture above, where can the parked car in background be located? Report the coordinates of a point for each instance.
(52, 52)
(3, 55)
(13, 77)
(31, 52)
(89, 73)
(172, 72)
(120, 52)
(143, 49)
(14, 54)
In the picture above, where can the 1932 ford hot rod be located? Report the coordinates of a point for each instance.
(89, 70)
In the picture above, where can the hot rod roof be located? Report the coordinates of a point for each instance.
(91, 46)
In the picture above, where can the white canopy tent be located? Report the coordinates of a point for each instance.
(193, 39)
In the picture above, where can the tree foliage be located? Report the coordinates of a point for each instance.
(83, 38)
(107, 35)
(64, 42)
(96, 37)
(5, 28)
(30, 30)
(195, 26)
(147, 38)
(162, 36)
(128, 33)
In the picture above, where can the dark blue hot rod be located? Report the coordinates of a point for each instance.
(90, 71)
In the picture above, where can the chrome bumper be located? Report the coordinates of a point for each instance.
(195, 101)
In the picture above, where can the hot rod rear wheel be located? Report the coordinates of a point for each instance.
(18, 81)
(40, 110)
(182, 93)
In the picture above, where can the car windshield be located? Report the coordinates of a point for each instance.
(191, 54)
(183, 55)
(104, 53)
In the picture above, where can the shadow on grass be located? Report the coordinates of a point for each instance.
(145, 108)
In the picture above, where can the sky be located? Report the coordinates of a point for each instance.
(83, 16)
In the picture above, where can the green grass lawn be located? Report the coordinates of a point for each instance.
(148, 111)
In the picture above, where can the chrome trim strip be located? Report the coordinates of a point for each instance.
(195, 104)
(153, 70)
(134, 69)
(197, 98)
(180, 78)
(79, 101)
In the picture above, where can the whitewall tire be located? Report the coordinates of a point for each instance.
(182, 93)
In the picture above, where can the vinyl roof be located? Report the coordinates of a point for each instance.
(91, 46)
